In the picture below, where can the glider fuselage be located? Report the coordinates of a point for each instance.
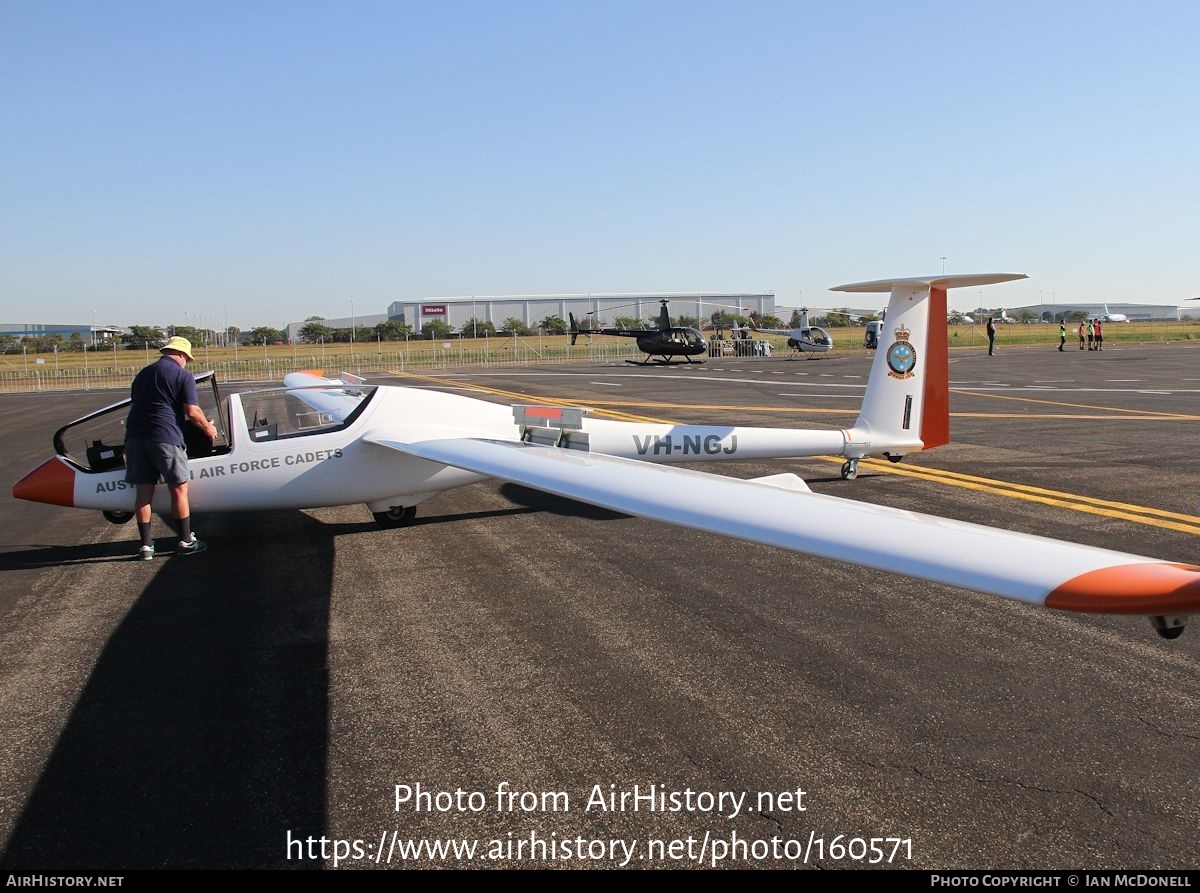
(264, 467)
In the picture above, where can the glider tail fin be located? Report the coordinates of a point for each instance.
(907, 403)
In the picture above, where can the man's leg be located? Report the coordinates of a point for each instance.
(145, 494)
(181, 510)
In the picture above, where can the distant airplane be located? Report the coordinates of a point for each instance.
(1114, 317)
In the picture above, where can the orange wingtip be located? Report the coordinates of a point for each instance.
(1150, 588)
(319, 373)
(51, 482)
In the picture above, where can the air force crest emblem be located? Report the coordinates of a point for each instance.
(901, 356)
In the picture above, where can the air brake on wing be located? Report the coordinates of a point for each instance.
(556, 426)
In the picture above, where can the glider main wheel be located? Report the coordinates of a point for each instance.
(850, 470)
(1168, 627)
(396, 516)
(117, 517)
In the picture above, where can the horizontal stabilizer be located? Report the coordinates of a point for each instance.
(784, 481)
(943, 282)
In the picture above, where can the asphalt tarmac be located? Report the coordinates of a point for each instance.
(236, 708)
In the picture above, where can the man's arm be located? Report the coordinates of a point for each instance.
(196, 417)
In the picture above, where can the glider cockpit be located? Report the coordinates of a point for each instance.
(96, 442)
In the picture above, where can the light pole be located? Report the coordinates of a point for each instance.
(943, 260)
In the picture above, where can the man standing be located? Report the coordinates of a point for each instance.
(1062, 334)
(164, 399)
(991, 333)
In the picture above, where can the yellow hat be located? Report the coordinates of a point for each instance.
(179, 345)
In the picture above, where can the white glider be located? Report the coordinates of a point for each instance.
(321, 442)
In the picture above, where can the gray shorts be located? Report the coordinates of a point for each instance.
(148, 462)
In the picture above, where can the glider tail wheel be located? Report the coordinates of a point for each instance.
(117, 517)
(396, 516)
(849, 469)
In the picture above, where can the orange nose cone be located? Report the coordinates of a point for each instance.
(53, 482)
(1150, 588)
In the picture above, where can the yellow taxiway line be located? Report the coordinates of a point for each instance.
(1142, 414)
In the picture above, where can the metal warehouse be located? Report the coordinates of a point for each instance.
(532, 309)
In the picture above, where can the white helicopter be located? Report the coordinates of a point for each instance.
(323, 442)
(805, 339)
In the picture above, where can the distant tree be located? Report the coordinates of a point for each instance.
(1075, 316)
(956, 318)
(75, 343)
(313, 332)
(191, 333)
(10, 343)
(392, 330)
(477, 328)
(356, 334)
(232, 334)
(47, 343)
(139, 336)
(264, 335)
(553, 325)
(436, 328)
(514, 326)
(630, 322)
(769, 321)
(1026, 316)
(723, 319)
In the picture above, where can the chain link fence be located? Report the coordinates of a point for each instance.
(98, 375)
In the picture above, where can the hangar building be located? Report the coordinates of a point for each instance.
(532, 309)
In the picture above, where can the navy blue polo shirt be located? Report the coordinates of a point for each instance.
(161, 394)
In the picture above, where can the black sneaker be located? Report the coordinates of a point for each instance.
(190, 548)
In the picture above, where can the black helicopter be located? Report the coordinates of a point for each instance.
(658, 344)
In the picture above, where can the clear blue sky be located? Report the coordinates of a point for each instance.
(286, 158)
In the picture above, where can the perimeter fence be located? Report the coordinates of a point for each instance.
(46, 376)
